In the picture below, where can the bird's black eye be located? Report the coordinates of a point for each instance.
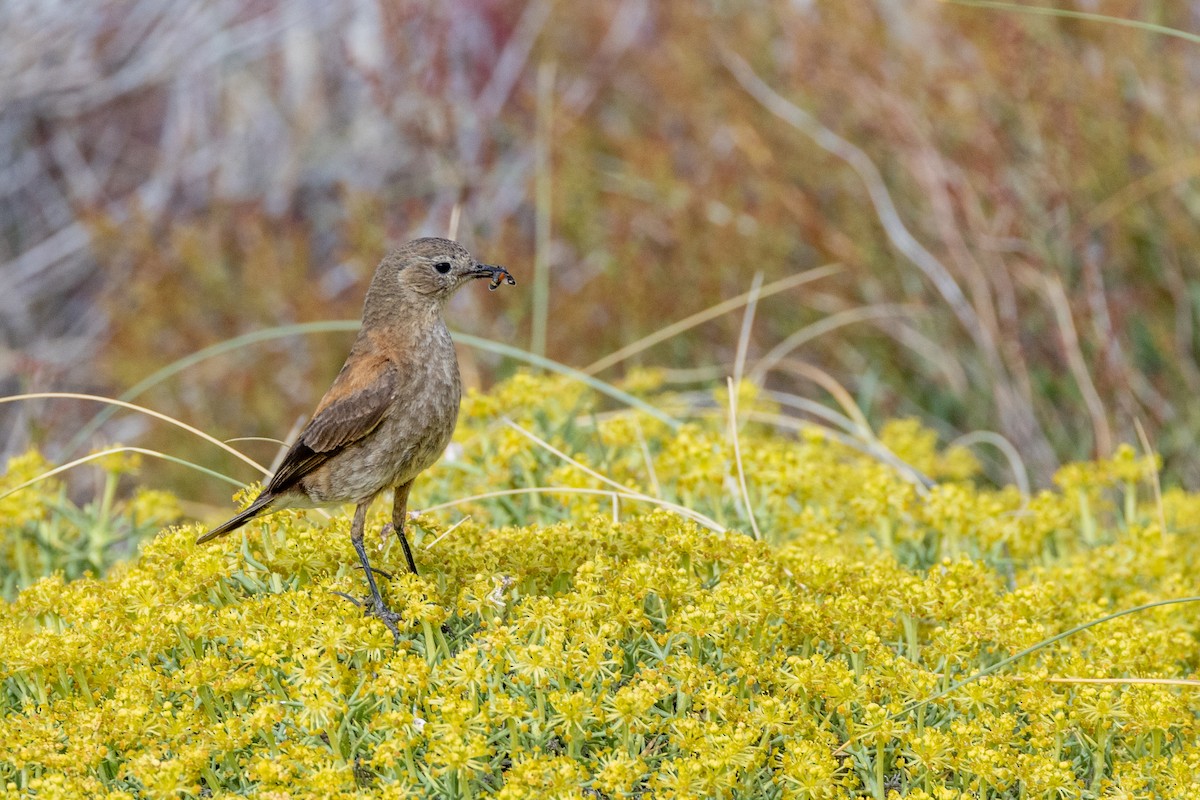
(442, 267)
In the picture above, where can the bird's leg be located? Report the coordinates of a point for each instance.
(376, 607)
(399, 517)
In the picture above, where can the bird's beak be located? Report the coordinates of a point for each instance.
(487, 271)
(498, 274)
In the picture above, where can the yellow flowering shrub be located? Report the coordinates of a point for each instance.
(558, 645)
(43, 531)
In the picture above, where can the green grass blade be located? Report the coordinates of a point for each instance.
(999, 665)
(1002, 663)
(336, 326)
(562, 369)
(220, 348)
(1124, 22)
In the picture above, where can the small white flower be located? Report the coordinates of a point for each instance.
(496, 595)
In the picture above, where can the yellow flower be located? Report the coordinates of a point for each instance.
(619, 773)
(27, 505)
(542, 776)
(549, 652)
(120, 463)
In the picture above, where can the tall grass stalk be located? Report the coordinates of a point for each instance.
(737, 454)
(540, 297)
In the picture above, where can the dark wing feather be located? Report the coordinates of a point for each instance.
(351, 409)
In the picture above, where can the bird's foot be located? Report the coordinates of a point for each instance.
(373, 606)
(376, 608)
(377, 571)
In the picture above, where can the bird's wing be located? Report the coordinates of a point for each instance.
(352, 408)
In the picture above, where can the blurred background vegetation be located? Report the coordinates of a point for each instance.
(1012, 196)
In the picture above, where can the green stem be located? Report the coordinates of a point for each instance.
(1087, 521)
(879, 790)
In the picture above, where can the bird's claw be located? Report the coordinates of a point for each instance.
(351, 599)
(388, 617)
(374, 607)
(377, 571)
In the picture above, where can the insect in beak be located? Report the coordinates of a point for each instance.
(496, 273)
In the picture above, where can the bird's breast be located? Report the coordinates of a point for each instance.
(412, 435)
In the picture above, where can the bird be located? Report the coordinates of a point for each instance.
(392, 408)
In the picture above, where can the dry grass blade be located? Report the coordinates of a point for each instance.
(1001, 664)
(212, 351)
(533, 437)
(743, 345)
(644, 447)
(1015, 462)
(813, 407)
(737, 454)
(624, 491)
(112, 452)
(861, 163)
(810, 332)
(939, 355)
(270, 439)
(830, 384)
(873, 448)
(143, 410)
(1057, 296)
(1135, 192)
(1155, 480)
(694, 516)
(447, 532)
(1106, 681)
(700, 317)
(292, 435)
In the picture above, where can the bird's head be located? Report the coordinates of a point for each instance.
(429, 271)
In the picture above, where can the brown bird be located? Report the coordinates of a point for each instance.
(391, 410)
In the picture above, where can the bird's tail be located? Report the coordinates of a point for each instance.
(259, 506)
